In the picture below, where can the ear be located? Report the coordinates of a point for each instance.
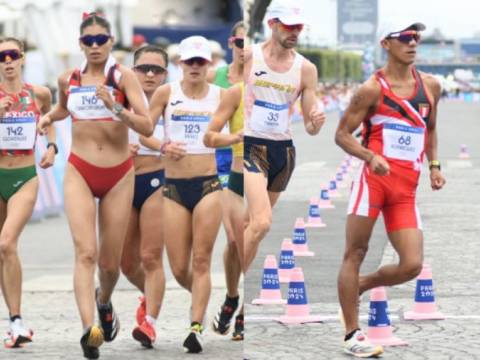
(112, 39)
(271, 22)
(385, 44)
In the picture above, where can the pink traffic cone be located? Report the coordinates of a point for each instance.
(332, 189)
(425, 307)
(379, 328)
(314, 219)
(463, 152)
(287, 261)
(340, 178)
(324, 201)
(270, 292)
(300, 244)
(298, 309)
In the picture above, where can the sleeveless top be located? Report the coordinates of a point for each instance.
(236, 123)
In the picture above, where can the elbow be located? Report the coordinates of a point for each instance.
(207, 140)
(339, 137)
(148, 128)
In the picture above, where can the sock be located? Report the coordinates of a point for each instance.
(196, 323)
(350, 335)
(239, 317)
(232, 301)
(151, 320)
(15, 317)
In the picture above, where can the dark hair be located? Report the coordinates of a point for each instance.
(95, 18)
(150, 49)
(238, 25)
(19, 43)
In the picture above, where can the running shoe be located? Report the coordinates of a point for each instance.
(145, 334)
(237, 334)
(194, 341)
(17, 335)
(359, 346)
(108, 319)
(222, 321)
(91, 341)
(141, 310)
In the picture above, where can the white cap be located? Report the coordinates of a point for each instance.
(389, 28)
(289, 12)
(195, 46)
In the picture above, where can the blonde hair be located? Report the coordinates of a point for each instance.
(19, 43)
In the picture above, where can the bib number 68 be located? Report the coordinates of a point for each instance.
(405, 140)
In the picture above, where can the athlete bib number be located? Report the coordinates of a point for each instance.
(17, 133)
(270, 118)
(85, 105)
(403, 142)
(189, 129)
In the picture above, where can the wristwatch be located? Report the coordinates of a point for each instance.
(55, 147)
(434, 164)
(117, 108)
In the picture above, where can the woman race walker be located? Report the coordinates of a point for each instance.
(97, 97)
(21, 105)
(192, 192)
(143, 248)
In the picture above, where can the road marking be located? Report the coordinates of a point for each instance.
(459, 164)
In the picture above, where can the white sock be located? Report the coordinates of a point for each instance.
(151, 320)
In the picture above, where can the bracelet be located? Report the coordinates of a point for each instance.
(434, 164)
(55, 147)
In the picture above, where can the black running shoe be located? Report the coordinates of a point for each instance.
(237, 334)
(222, 321)
(108, 319)
(194, 340)
(91, 341)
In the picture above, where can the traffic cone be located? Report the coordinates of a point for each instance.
(340, 178)
(324, 201)
(298, 310)
(332, 189)
(314, 219)
(463, 152)
(300, 245)
(270, 292)
(379, 328)
(425, 307)
(287, 261)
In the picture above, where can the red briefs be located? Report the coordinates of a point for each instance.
(393, 195)
(100, 180)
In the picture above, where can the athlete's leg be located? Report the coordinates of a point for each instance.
(408, 243)
(151, 230)
(3, 216)
(206, 220)
(131, 262)
(81, 213)
(178, 241)
(231, 261)
(112, 214)
(358, 232)
(19, 210)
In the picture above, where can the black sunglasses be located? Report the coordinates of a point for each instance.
(146, 68)
(198, 60)
(10, 55)
(239, 42)
(99, 39)
(405, 36)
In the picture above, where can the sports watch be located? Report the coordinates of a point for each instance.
(434, 164)
(117, 108)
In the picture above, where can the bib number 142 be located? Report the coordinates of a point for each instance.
(15, 131)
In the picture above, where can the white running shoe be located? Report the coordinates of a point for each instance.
(359, 345)
(17, 335)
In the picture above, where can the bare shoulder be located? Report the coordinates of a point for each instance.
(161, 94)
(432, 83)
(43, 93)
(64, 78)
(126, 71)
(367, 94)
(308, 68)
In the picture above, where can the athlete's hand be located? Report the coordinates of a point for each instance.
(43, 124)
(48, 158)
(436, 179)
(104, 94)
(133, 149)
(379, 165)
(5, 104)
(317, 119)
(175, 150)
(237, 137)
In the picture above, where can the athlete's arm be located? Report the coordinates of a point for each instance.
(158, 103)
(211, 75)
(364, 100)
(151, 142)
(313, 118)
(436, 178)
(138, 119)
(44, 97)
(229, 104)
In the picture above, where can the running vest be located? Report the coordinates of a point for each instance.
(81, 100)
(186, 119)
(221, 77)
(270, 98)
(18, 127)
(398, 127)
(236, 123)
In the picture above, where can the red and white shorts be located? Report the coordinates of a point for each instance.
(393, 195)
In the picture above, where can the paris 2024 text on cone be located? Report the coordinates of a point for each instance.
(270, 293)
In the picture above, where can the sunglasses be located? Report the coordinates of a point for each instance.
(10, 55)
(99, 39)
(238, 41)
(196, 60)
(146, 68)
(289, 28)
(405, 36)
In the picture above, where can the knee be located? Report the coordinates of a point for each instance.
(356, 254)
(128, 267)
(180, 274)
(8, 247)
(411, 269)
(87, 257)
(261, 226)
(151, 260)
(108, 266)
(200, 264)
